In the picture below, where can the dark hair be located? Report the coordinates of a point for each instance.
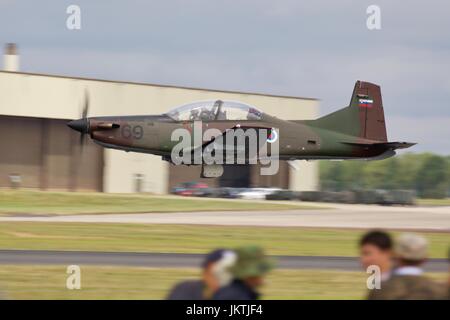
(213, 257)
(378, 238)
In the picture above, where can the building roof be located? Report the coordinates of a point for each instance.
(157, 85)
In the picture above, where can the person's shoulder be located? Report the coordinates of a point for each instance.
(409, 287)
(411, 282)
(188, 284)
(396, 281)
(390, 289)
(189, 289)
(233, 291)
(419, 281)
(433, 289)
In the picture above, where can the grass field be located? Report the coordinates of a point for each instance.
(49, 282)
(434, 202)
(53, 203)
(101, 282)
(189, 238)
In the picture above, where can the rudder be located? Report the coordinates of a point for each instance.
(363, 118)
(366, 98)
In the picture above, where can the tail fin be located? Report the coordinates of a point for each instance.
(363, 118)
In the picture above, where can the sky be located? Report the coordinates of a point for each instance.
(288, 47)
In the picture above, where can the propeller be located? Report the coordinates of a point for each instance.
(84, 114)
(82, 125)
(86, 104)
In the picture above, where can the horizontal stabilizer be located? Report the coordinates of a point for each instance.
(387, 145)
(397, 144)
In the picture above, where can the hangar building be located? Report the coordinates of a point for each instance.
(38, 150)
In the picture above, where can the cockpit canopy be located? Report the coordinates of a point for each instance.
(215, 110)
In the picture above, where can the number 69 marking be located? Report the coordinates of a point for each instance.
(136, 132)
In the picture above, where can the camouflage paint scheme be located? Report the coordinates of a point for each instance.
(357, 131)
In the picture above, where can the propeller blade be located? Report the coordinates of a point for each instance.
(84, 115)
(82, 139)
(86, 105)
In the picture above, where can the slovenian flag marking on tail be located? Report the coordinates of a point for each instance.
(366, 103)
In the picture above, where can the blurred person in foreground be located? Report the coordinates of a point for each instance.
(407, 281)
(376, 249)
(215, 274)
(249, 271)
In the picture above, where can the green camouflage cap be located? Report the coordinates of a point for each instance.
(411, 246)
(251, 262)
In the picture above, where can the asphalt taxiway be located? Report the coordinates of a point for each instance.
(178, 260)
(336, 216)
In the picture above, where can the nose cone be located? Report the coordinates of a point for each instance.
(80, 125)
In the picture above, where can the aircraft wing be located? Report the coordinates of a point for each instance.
(227, 145)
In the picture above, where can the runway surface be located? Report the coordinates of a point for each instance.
(337, 216)
(178, 260)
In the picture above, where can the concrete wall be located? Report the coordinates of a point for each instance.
(46, 96)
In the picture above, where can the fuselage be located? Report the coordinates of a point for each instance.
(357, 131)
(297, 140)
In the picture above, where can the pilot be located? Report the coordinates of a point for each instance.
(194, 115)
(253, 114)
(206, 115)
(215, 275)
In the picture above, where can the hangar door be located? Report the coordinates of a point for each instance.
(45, 154)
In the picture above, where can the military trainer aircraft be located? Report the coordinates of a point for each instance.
(357, 131)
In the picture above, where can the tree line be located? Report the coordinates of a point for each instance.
(426, 173)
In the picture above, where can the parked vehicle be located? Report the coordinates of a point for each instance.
(192, 189)
(257, 193)
(379, 196)
(283, 195)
